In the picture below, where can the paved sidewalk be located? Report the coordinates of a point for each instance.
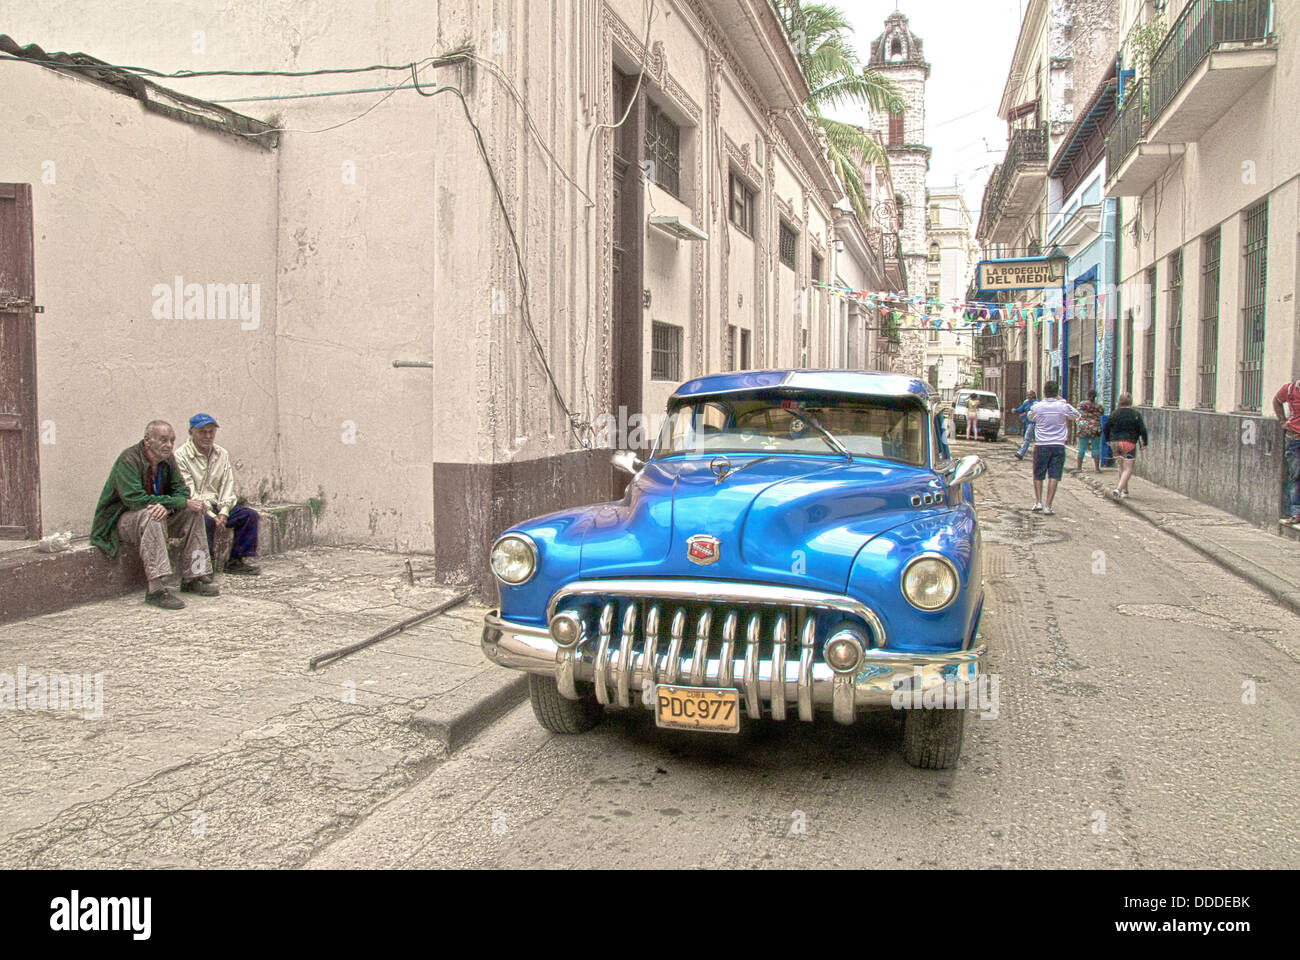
(1269, 561)
(213, 745)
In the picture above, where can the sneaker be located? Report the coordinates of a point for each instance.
(241, 566)
(1115, 493)
(201, 587)
(1020, 456)
(1048, 512)
(1036, 507)
(165, 599)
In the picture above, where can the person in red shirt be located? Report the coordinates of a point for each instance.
(1290, 396)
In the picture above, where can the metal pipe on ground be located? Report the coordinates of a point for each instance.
(387, 632)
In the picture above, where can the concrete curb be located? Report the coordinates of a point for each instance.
(1283, 591)
(457, 717)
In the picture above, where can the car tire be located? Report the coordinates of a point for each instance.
(932, 738)
(556, 712)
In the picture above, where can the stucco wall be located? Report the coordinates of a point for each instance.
(124, 201)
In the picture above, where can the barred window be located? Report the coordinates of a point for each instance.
(744, 349)
(787, 246)
(666, 352)
(816, 268)
(1128, 352)
(1173, 370)
(1254, 280)
(1149, 343)
(742, 206)
(1209, 366)
(731, 346)
(663, 148)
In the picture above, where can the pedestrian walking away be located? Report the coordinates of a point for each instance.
(1026, 425)
(972, 417)
(1124, 430)
(1050, 416)
(1289, 396)
(1089, 432)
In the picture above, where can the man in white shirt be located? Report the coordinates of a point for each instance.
(207, 472)
(1051, 430)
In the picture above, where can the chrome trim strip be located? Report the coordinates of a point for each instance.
(842, 697)
(677, 632)
(650, 657)
(623, 672)
(749, 672)
(777, 672)
(567, 672)
(715, 591)
(804, 688)
(602, 654)
(728, 651)
(700, 657)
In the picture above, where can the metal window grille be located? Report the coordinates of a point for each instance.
(1254, 279)
(817, 268)
(663, 147)
(788, 237)
(1173, 370)
(742, 205)
(1128, 352)
(731, 346)
(1209, 366)
(1149, 343)
(666, 352)
(744, 349)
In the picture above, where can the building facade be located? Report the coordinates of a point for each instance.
(1204, 167)
(449, 340)
(950, 268)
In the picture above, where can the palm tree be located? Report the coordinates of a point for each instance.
(836, 78)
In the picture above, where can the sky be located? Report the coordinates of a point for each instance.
(969, 44)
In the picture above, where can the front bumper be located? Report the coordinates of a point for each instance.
(798, 681)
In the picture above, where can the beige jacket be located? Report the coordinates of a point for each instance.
(210, 479)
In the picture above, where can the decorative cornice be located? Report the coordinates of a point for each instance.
(656, 65)
(740, 156)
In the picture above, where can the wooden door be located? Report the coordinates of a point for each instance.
(20, 510)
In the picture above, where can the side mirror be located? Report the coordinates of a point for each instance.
(966, 469)
(627, 461)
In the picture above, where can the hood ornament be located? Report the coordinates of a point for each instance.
(703, 549)
(720, 467)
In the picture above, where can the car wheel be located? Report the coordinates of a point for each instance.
(556, 712)
(932, 738)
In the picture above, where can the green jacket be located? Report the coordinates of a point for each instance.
(124, 490)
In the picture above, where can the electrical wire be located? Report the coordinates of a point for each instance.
(188, 74)
(514, 240)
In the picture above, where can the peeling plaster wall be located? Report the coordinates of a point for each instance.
(123, 200)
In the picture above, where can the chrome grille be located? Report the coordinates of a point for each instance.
(634, 638)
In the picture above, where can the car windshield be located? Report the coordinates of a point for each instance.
(987, 401)
(879, 427)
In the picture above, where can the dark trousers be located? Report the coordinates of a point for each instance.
(1293, 473)
(243, 526)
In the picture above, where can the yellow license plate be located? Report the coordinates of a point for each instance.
(710, 709)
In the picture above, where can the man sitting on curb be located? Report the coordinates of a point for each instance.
(145, 501)
(1050, 431)
(1290, 394)
(209, 475)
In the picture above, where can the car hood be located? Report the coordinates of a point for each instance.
(794, 519)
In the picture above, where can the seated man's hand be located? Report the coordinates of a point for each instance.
(221, 520)
(155, 511)
(194, 506)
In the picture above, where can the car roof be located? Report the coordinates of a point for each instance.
(863, 383)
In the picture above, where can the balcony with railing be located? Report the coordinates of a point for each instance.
(1215, 51)
(1016, 188)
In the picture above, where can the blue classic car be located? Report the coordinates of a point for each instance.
(799, 541)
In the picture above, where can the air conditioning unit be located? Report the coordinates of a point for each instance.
(677, 227)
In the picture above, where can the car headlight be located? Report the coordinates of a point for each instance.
(514, 558)
(930, 582)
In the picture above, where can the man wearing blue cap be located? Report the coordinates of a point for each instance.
(209, 475)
